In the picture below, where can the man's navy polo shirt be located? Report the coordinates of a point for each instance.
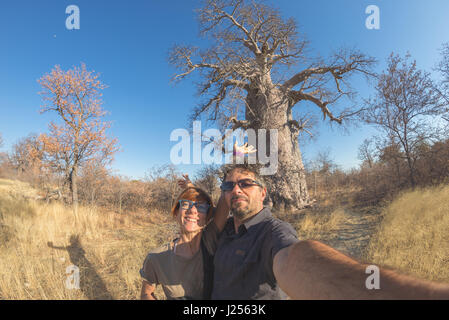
(243, 262)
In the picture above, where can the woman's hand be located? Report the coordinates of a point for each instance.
(242, 150)
(185, 182)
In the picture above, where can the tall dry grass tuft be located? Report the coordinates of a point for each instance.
(39, 241)
(318, 225)
(413, 236)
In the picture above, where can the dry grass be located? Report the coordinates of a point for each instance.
(17, 189)
(109, 248)
(413, 236)
(39, 241)
(316, 225)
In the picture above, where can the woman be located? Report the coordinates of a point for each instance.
(184, 267)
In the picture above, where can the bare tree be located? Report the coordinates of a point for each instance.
(26, 155)
(367, 152)
(405, 98)
(75, 95)
(433, 163)
(93, 177)
(248, 81)
(162, 183)
(326, 165)
(443, 68)
(207, 178)
(5, 164)
(392, 157)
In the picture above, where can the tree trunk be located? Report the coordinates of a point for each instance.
(411, 170)
(74, 189)
(92, 197)
(120, 199)
(269, 109)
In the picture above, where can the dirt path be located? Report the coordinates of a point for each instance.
(348, 230)
(353, 235)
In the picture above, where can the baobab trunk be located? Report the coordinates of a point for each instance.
(270, 109)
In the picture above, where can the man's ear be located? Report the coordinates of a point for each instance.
(264, 193)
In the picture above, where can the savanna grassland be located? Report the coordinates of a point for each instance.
(39, 240)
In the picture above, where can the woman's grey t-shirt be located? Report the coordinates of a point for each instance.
(180, 277)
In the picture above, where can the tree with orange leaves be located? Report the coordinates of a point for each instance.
(75, 95)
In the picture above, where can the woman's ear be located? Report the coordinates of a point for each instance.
(176, 213)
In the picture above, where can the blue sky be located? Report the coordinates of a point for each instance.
(127, 42)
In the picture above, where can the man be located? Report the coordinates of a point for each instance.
(258, 255)
(249, 242)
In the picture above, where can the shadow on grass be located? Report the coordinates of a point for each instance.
(91, 284)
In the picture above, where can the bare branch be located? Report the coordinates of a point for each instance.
(298, 96)
(343, 65)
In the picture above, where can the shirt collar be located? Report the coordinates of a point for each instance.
(259, 217)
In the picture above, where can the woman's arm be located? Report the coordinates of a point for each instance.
(50, 245)
(221, 213)
(147, 292)
(185, 182)
(222, 210)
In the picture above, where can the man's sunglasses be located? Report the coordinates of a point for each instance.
(200, 207)
(244, 183)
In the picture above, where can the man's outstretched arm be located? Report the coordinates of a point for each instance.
(312, 270)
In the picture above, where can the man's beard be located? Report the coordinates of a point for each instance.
(242, 212)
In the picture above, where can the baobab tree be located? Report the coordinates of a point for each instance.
(255, 72)
(80, 137)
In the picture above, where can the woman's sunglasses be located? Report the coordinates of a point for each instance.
(200, 206)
